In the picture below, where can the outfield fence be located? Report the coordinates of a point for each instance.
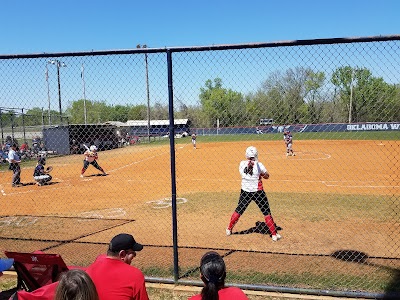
(336, 202)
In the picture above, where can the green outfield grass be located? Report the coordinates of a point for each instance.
(360, 135)
(305, 207)
(297, 136)
(162, 292)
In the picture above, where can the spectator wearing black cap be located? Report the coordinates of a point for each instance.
(14, 161)
(113, 275)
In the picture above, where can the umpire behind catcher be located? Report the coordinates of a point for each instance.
(14, 161)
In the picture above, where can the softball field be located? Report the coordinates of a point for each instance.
(331, 196)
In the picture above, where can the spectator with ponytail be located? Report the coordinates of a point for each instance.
(213, 273)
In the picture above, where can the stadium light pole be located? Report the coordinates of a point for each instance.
(58, 65)
(351, 95)
(48, 94)
(147, 89)
(84, 93)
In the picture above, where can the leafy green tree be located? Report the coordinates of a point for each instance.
(313, 84)
(292, 96)
(365, 97)
(76, 111)
(119, 113)
(137, 112)
(34, 116)
(8, 118)
(159, 111)
(97, 112)
(345, 78)
(219, 103)
(377, 97)
(191, 112)
(100, 112)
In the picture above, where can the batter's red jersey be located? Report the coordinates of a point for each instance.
(116, 280)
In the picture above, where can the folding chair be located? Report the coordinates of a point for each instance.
(46, 292)
(36, 269)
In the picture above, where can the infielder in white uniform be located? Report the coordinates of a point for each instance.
(252, 172)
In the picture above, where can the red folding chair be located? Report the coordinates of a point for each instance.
(37, 269)
(46, 292)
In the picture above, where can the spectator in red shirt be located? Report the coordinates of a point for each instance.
(213, 273)
(112, 274)
(24, 147)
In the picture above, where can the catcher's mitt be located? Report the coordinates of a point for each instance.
(49, 169)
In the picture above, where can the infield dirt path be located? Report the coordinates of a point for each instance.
(138, 188)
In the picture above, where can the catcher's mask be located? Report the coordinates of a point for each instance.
(42, 161)
(251, 152)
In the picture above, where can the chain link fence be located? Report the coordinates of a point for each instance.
(335, 199)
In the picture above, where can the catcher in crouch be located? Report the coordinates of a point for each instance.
(91, 157)
(40, 174)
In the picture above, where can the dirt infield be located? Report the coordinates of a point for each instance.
(78, 214)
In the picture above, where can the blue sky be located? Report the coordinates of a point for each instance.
(83, 25)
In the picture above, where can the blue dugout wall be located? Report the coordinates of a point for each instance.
(336, 127)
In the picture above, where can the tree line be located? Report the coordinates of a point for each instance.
(294, 96)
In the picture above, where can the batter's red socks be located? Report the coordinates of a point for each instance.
(270, 224)
(234, 219)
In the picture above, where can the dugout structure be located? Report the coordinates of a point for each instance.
(157, 127)
(61, 139)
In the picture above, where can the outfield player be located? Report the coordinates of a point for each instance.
(252, 172)
(91, 157)
(194, 136)
(288, 138)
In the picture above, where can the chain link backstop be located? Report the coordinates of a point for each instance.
(335, 202)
